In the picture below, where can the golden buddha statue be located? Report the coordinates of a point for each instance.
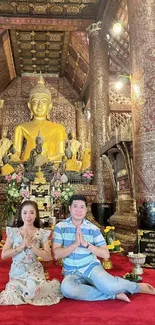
(6, 169)
(86, 159)
(8, 158)
(5, 148)
(54, 134)
(5, 144)
(73, 164)
(40, 179)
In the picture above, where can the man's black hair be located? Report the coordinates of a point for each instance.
(76, 197)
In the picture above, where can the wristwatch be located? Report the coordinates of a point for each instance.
(87, 245)
(29, 247)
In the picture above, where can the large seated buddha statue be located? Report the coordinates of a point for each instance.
(54, 134)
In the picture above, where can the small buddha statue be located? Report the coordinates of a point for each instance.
(36, 157)
(11, 162)
(6, 151)
(40, 177)
(54, 134)
(5, 144)
(73, 164)
(86, 159)
(6, 169)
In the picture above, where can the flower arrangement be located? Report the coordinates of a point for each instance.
(15, 195)
(112, 244)
(66, 193)
(61, 193)
(88, 176)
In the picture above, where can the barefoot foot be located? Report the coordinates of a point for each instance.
(122, 296)
(147, 288)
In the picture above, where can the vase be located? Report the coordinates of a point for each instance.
(11, 220)
(107, 263)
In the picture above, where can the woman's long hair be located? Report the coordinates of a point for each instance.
(19, 215)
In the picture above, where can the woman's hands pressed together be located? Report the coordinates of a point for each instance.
(28, 240)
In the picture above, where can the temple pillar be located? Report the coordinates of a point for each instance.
(81, 127)
(99, 100)
(142, 44)
(1, 115)
(99, 104)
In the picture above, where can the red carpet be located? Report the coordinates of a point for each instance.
(140, 311)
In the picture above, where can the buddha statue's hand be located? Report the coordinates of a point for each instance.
(15, 158)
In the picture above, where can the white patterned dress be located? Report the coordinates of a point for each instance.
(27, 283)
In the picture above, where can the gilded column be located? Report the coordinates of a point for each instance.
(81, 127)
(99, 101)
(142, 44)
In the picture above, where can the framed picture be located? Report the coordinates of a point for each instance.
(146, 245)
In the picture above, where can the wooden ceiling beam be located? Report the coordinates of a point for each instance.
(85, 88)
(101, 10)
(110, 11)
(50, 24)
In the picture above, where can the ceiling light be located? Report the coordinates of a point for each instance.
(119, 85)
(121, 81)
(117, 28)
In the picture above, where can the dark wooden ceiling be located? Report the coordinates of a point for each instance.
(79, 9)
(50, 36)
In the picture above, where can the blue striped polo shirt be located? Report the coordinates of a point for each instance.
(81, 260)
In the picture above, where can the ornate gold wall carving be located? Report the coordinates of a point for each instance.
(78, 8)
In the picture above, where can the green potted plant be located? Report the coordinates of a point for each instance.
(14, 196)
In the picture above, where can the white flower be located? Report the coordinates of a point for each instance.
(64, 179)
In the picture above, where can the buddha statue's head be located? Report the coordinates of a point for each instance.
(70, 135)
(73, 135)
(40, 101)
(39, 139)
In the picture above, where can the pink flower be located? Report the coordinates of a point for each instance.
(88, 174)
(18, 178)
(56, 194)
(8, 178)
